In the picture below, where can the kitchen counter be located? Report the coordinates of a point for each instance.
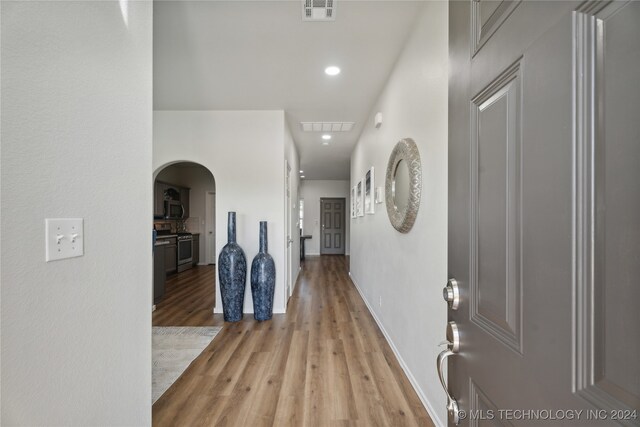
(166, 236)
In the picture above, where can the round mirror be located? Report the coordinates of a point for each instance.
(403, 185)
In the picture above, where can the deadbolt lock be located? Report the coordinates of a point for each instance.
(451, 294)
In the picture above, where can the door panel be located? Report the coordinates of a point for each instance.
(332, 227)
(327, 218)
(487, 16)
(495, 228)
(544, 207)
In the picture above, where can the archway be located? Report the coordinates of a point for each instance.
(184, 220)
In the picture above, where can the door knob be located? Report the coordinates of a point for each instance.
(451, 294)
(453, 346)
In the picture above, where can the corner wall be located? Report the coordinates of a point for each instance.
(244, 150)
(76, 142)
(401, 275)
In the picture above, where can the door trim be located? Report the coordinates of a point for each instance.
(209, 223)
(288, 287)
(344, 228)
(588, 284)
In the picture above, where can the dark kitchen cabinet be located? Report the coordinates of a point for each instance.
(184, 199)
(174, 192)
(171, 256)
(195, 254)
(158, 199)
(159, 273)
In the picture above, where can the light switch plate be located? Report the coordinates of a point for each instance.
(64, 238)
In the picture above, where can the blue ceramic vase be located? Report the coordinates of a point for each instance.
(232, 272)
(263, 279)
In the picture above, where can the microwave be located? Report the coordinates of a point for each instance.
(173, 209)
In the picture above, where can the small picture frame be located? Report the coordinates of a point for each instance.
(369, 188)
(379, 195)
(359, 199)
(353, 202)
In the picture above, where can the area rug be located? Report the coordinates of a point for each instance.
(173, 350)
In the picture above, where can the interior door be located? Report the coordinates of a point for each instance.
(287, 210)
(332, 218)
(210, 227)
(544, 213)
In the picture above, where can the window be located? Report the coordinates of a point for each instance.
(301, 216)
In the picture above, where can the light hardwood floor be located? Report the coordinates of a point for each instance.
(324, 363)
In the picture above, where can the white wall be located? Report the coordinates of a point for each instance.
(200, 181)
(245, 152)
(311, 191)
(293, 160)
(76, 142)
(407, 271)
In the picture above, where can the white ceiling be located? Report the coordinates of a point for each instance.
(260, 55)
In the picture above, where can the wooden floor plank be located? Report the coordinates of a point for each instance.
(324, 363)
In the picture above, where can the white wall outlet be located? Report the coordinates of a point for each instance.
(64, 238)
(380, 302)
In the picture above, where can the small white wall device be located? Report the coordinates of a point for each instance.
(377, 120)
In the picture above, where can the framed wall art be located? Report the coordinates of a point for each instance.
(353, 202)
(369, 189)
(359, 199)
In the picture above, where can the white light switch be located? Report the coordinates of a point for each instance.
(64, 238)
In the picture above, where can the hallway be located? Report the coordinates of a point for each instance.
(324, 363)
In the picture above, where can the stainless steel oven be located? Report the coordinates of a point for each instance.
(185, 249)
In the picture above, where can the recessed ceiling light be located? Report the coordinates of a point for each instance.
(301, 176)
(326, 137)
(332, 70)
(325, 143)
(301, 171)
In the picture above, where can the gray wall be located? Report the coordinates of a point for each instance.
(401, 275)
(76, 142)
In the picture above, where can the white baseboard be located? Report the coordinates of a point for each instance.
(423, 398)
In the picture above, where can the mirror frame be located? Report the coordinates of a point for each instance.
(403, 219)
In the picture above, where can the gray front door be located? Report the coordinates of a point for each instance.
(544, 211)
(332, 229)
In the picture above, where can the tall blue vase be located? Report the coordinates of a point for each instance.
(263, 279)
(232, 272)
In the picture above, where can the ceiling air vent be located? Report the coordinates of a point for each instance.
(318, 10)
(327, 126)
